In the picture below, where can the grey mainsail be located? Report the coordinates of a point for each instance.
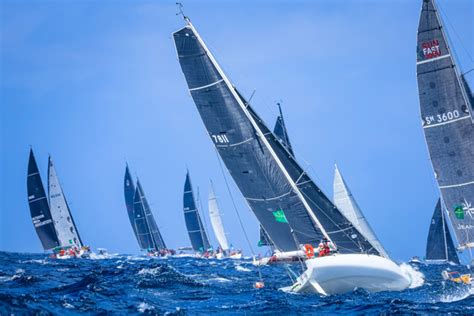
(196, 231)
(66, 229)
(346, 202)
(129, 192)
(276, 188)
(39, 206)
(281, 132)
(440, 246)
(447, 123)
(158, 241)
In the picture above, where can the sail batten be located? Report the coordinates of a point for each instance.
(446, 112)
(261, 167)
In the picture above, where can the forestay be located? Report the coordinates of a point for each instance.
(39, 207)
(440, 246)
(196, 231)
(276, 188)
(345, 202)
(62, 217)
(447, 123)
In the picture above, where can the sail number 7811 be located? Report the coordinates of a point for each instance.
(220, 139)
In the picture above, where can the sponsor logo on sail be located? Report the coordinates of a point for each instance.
(280, 216)
(431, 49)
(459, 212)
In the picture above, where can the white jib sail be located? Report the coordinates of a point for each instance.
(346, 203)
(63, 222)
(216, 221)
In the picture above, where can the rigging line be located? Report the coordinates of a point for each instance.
(237, 212)
(445, 16)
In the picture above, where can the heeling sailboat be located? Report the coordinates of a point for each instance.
(344, 200)
(51, 214)
(446, 107)
(196, 230)
(142, 220)
(159, 243)
(275, 186)
(39, 207)
(439, 246)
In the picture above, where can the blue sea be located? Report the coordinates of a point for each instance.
(34, 283)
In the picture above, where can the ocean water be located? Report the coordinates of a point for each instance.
(137, 284)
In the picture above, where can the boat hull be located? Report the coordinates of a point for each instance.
(342, 273)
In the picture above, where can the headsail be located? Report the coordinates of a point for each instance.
(274, 185)
(39, 207)
(158, 241)
(216, 221)
(280, 131)
(196, 231)
(447, 123)
(63, 220)
(129, 192)
(440, 246)
(346, 203)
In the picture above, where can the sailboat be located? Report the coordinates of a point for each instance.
(440, 246)
(51, 214)
(196, 231)
(275, 186)
(446, 106)
(142, 220)
(216, 222)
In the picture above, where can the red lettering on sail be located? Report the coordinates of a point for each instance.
(431, 49)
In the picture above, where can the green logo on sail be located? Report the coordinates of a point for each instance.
(280, 216)
(459, 212)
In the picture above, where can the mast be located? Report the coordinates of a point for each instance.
(292, 197)
(39, 206)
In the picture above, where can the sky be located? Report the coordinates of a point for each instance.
(97, 84)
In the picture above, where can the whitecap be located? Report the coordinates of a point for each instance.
(417, 278)
(242, 269)
(144, 307)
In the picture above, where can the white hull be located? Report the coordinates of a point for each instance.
(341, 273)
(280, 257)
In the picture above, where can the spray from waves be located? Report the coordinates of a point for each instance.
(417, 278)
(242, 269)
(461, 294)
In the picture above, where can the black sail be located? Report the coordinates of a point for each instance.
(39, 207)
(447, 123)
(196, 231)
(129, 192)
(276, 188)
(440, 246)
(264, 238)
(281, 133)
(145, 239)
(155, 232)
